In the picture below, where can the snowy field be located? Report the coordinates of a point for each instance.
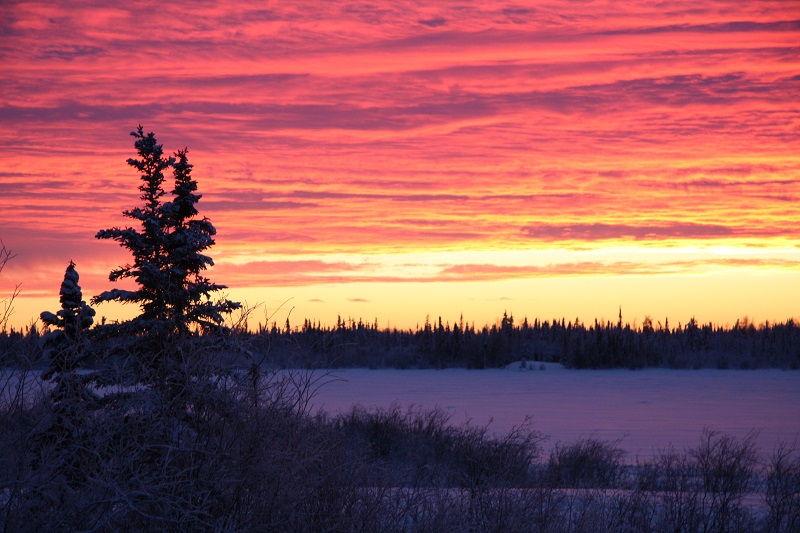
(648, 409)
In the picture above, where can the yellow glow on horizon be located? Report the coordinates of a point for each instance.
(719, 297)
(760, 296)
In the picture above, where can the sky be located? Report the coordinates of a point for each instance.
(391, 160)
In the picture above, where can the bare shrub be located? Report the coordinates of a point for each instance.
(7, 304)
(726, 466)
(782, 490)
(419, 447)
(500, 461)
(587, 463)
(673, 480)
(411, 445)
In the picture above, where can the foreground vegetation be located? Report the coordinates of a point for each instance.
(241, 451)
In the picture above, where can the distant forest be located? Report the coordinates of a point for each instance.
(439, 344)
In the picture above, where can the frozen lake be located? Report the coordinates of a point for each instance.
(648, 409)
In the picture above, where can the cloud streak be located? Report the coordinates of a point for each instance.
(311, 272)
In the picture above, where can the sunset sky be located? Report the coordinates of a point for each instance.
(394, 159)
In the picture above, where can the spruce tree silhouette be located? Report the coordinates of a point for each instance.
(65, 345)
(175, 298)
(168, 263)
(61, 434)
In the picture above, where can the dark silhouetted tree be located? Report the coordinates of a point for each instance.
(148, 245)
(189, 292)
(168, 263)
(66, 344)
(175, 298)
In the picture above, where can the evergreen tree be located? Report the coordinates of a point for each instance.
(189, 294)
(148, 245)
(65, 345)
(174, 296)
(62, 434)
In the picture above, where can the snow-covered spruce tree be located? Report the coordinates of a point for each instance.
(168, 264)
(147, 245)
(189, 293)
(60, 435)
(66, 344)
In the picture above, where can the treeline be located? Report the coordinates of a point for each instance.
(439, 344)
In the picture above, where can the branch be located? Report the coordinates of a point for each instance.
(7, 255)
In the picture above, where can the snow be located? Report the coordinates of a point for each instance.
(648, 409)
